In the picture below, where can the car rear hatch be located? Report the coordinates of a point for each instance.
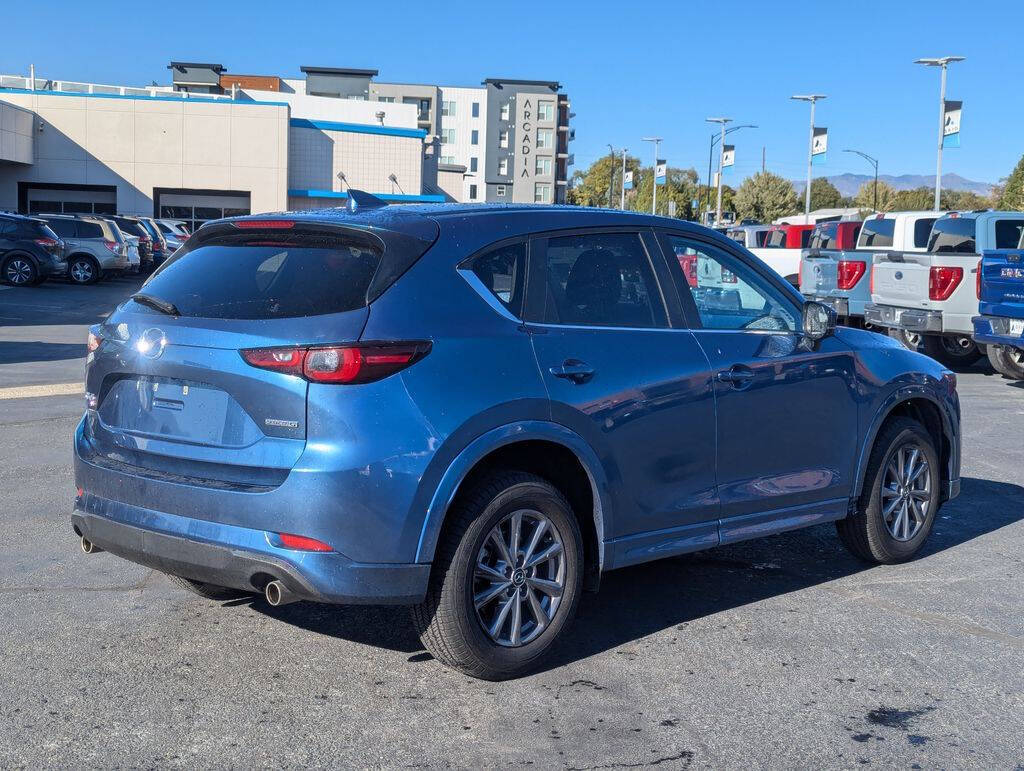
(172, 392)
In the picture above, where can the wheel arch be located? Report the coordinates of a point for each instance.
(922, 406)
(547, 449)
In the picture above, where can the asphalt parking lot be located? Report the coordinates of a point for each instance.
(784, 652)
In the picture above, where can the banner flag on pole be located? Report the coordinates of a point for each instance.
(660, 172)
(627, 181)
(819, 145)
(951, 123)
(728, 155)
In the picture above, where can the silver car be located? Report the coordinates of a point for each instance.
(93, 246)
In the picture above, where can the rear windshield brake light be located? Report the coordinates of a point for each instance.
(265, 224)
(342, 364)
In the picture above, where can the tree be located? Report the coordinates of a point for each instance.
(918, 199)
(865, 198)
(590, 187)
(765, 197)
(1011, 197)
(824, 195)
(680, 186)
(964, 200)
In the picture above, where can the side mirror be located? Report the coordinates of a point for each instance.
(819, 321)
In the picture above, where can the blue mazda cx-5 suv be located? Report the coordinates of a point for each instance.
(478, 410)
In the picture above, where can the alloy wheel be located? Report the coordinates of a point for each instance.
(906, 492)
(19, 272)
(519, 578)
(82, 271)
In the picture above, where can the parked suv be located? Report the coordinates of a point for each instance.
(478, 410)
(30, 252)
(160, 250)
(133, 227)
(94, 246)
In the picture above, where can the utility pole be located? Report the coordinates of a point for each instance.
(654, 173)
(873, 162)
(721, 152)
(622, 194)
(812, 98)
(942, 62)
(611, 174)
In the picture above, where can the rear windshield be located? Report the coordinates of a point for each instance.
(242, 277)
(775, 238)
(132, 227)
(953, 234)
(737, 235)
(876, 233)
(923, 229)
(1008, 233)
(824, 236)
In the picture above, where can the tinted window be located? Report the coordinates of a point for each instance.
(805, 236)
(63, 228)
(164, 228)
(877, 232)
(760, 237)
(775, 238)
(600, 280)
(728, 293)
(89, 230)
(738, 235)
(6, 226)
(1008, 233)
(923, 229)
(502, 272)
(274, 277)
(131, 227)
(952, 234)
(823, 237)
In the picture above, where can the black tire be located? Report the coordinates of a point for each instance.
(1007, 361)
(909, 340)
(955, 351)
(447, 620)
(83, 269)
(19, 270)
(209, 591)
(864, 531)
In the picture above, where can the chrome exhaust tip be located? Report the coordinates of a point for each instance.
(89, 547)
(278, 594)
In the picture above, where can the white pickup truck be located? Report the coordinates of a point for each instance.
(783, 245)
(928, 299)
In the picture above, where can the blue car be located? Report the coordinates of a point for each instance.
(478, 410)
(1000, 325)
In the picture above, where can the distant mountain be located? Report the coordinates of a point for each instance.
(849, 184)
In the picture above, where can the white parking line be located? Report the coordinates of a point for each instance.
(50, 389)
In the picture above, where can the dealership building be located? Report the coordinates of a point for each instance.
(212, 143)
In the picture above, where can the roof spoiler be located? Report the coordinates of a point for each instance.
(359, 200)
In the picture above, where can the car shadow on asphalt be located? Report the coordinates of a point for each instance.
(638, 601)
(22, 352)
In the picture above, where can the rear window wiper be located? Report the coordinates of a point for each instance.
(156, 303)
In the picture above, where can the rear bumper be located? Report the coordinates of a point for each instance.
(911, 319)
(995, 330)
(241, 558)
(841, 305)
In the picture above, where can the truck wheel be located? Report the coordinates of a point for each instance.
(209, 591)
(506, 580)
(910, 340)
(1007, 361)
(952, 350)
(897, 506)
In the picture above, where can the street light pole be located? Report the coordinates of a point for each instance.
(654, 173)
(721, 152)
(812, 98)
(942, 62)
(611, 174)
(873, 162)
(622, 195)
(711, 148)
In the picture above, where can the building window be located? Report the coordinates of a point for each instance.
(506, 110)
(503, 166)
(503, 139)
(388, 99)
(448, 136)
(543, 168)
(476, 109)
(542, 192)
(472, 164)
(545, 139)
(474, 137)
(546, 111)
(447, 160)
(448, 108)
(499, 191)
(472, 192)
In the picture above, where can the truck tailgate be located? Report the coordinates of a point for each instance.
(901, 279)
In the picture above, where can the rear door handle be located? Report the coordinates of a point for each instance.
(573, 369)
(737, 375)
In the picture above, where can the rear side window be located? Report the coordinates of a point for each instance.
(269, 276)
(805, 236)
(875, 233)
(1008, 233)
(952, 234)
(760, 237)
(63, 228)
(599, 279)
(923, 229)
(89, 230)
(502, 271)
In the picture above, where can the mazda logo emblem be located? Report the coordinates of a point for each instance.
(151, 343)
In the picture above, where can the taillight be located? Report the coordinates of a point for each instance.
(48, 243)
(977, 281)
(850, 272)
(92, 342)
(728, 277)
(942, 281)
(343, 364)
(871, 280)
(111, 245)
(300, 542)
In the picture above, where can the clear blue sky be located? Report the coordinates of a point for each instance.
(631, 69)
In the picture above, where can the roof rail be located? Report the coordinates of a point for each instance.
(357, 200)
